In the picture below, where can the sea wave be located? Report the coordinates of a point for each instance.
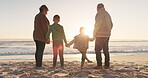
(66, 52)
(28, 47)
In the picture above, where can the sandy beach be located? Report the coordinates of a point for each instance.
(122, 66)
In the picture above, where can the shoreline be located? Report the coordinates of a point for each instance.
(121, 57)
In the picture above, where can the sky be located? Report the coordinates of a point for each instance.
(130, 17)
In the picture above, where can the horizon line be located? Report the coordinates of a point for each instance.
(31, 39)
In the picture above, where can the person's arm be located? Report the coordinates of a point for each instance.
(70, 43)
(90, 39)
(111, 24)
(97, 26)
(48, 34)
(64, 37)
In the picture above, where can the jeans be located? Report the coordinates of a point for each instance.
(39, 52)
(102, 43)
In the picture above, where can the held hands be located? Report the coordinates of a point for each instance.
(94, 35)
(67, 45)
(92, 39)
(48, 41)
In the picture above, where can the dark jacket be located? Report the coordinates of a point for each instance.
(41, 24)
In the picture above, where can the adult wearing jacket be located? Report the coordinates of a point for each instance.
(102, 32)
(41, 24)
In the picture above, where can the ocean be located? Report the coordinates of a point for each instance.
(27, 47)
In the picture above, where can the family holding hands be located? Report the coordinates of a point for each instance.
(43, 29)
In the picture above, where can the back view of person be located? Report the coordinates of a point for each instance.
(102, 32)
(58, 36)
(41, 24)
(81, 42)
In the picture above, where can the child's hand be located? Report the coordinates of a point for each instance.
(48, 41)
(92, 39)
(67, 45)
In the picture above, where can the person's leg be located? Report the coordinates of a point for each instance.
(39, 52)
(82, 64)
(106, 52)
(83, 58)
(98, 48)
(61, 49)
(55, 54)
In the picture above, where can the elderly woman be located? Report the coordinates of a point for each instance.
(41, 24)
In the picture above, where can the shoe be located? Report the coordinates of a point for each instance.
(62, 67)
(98, 67)
(54, 67)
(39, 67)
(106, 67)
(90, 62)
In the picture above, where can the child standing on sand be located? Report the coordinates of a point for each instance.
(81, 43)
(58, 36)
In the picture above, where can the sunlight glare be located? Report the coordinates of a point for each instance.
(88, 31)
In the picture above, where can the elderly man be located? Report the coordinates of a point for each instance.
(102, 32)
